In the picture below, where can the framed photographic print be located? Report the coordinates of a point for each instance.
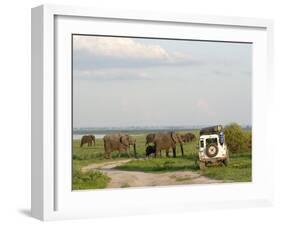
(136, 112)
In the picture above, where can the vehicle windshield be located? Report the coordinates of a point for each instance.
(211, 141)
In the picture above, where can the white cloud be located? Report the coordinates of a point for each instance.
(118, 47)
(124, 48)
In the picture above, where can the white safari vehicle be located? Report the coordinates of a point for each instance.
(212, 146)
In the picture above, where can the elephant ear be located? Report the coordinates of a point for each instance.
(124, 140)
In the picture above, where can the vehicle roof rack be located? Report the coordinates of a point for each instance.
(211, 130)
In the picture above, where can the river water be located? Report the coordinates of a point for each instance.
(79, 136)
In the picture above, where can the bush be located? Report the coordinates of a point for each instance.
(237, 139)
(248, 136)
(89, 180)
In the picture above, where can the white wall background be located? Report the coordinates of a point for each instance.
(15, 111)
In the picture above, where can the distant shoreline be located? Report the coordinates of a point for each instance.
(138, 130)
(99, 133)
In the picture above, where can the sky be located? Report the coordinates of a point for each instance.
(121, 82)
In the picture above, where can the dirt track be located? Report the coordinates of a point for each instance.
(122, 178)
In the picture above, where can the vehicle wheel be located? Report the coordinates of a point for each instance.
(212, 150)
(202, 165)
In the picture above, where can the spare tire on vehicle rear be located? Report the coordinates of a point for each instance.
(212, 150)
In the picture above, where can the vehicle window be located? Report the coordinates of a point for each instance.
(202, 143)
(212, 141)
(221, 138)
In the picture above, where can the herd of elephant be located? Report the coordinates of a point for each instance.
(155, 143)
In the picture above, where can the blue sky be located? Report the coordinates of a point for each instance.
(152, 82)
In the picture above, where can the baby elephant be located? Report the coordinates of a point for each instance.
(150, 150)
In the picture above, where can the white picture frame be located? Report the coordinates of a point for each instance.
(52, 198)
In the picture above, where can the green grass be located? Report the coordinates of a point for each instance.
(126, 185)
(96, 153)
(239, 169)
(159, 164)
(88, 180)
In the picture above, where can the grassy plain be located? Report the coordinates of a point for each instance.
(238, 170)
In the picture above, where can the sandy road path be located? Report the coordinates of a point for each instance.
(122, 178)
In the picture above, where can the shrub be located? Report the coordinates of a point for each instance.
(89, 180)
(237, 139)
(248, 136)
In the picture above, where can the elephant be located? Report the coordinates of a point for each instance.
(149, 138)
(89, 139)
(118, 142)
(166, 141)
(150, 150)
(187, 137)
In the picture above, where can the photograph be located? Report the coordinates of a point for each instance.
(149, 111)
